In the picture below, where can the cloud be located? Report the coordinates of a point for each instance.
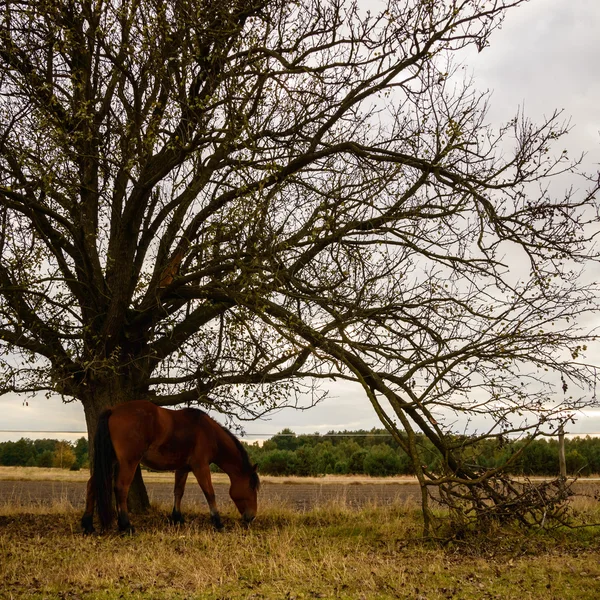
(34, 416)
(546, 57)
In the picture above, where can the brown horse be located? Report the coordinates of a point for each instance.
(180, 440)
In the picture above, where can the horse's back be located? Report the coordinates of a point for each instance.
(192, 434)
(160, 438)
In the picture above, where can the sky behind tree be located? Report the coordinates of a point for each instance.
(544, 58)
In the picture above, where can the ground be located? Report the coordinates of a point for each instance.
(295, 493)
(323, 538)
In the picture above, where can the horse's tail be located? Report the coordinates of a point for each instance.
(104, 460)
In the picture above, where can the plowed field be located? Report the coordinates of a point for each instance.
(301, 496)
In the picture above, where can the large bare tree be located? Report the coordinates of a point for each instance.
(229, 198)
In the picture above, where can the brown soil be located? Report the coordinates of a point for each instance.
(301, 496)
(295, 494)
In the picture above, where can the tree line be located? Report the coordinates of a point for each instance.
(373, 453)
(45, 453)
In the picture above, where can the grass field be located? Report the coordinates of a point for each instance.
(331, 551)
(42, 474)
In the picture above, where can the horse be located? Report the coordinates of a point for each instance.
(165, 440)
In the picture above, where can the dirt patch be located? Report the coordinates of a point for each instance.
(300, 496)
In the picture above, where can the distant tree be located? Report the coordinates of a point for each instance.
(278, 462)
(324, 457)
(285, 440)
(576, 462)
(589, 447)
(44, 444)
(381, 461)
(63, 456)
(17, 453)
(45, 459)
(356, 464)
(305, 461)
(81, 450)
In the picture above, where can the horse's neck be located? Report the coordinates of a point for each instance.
(229, 458)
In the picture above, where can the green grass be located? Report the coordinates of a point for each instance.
(329, 552)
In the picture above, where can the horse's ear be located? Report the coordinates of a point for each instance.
(254, 468)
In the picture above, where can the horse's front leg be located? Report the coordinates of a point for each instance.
(126, 471)
(87, 521)
(180, 479)
(202, 475)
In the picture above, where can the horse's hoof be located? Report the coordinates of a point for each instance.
(87, 523)
(219, 526)
(176, 518)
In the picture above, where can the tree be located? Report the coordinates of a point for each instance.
(82, 452)
(381, 460)
(285, 440)
(45, 459)
(63, 456)
(278, 462)
(18, 453)
(211, 202)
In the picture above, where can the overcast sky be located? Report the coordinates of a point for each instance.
(545, 57)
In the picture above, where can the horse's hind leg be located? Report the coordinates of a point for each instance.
(125, 473)
(87, 521)
(202, 474)
(180, 479)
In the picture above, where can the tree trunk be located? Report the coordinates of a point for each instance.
(138, 500)
(94, 405)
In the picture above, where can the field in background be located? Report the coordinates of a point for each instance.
(331, 550)
(42, 474)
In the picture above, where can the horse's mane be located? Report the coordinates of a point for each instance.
(247, 467)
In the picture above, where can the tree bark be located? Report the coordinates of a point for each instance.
(94, 405)
(138, 501)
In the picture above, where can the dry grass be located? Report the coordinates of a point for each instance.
(42, 474)
(330, 552)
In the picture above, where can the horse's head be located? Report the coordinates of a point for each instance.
(244, 491)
